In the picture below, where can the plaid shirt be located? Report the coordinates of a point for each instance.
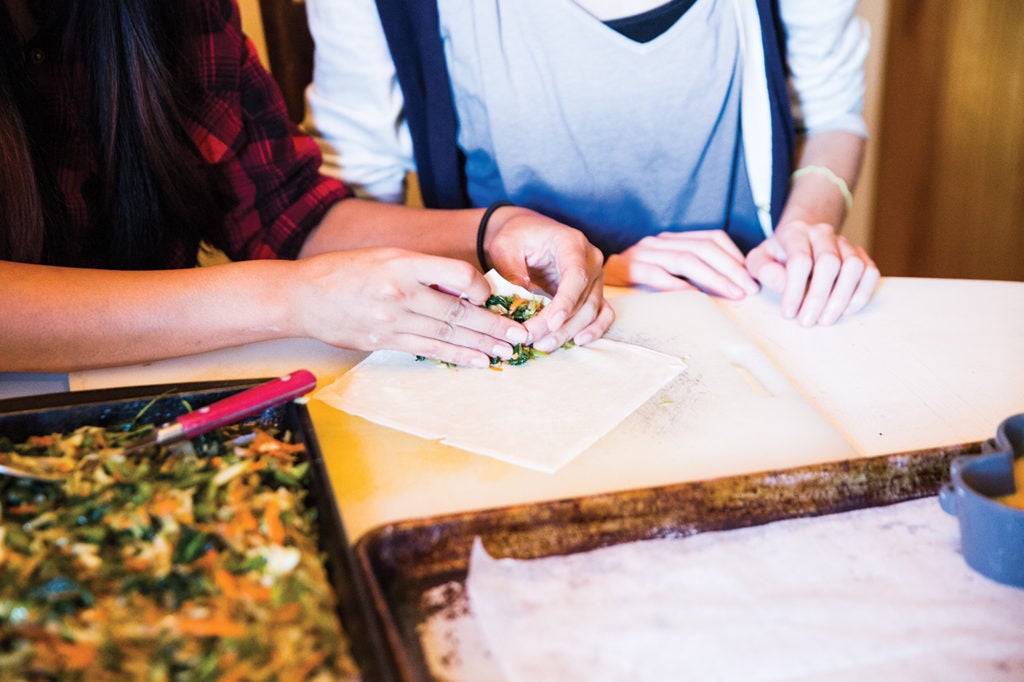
(270, 167)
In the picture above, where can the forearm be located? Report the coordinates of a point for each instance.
(357, 224)
(814, 198)
(61, 319)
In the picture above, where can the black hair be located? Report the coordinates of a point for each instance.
(154, 191)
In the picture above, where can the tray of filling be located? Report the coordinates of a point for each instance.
(223, 557)
(418, 571)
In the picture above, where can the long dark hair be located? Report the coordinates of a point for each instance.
(155, 193)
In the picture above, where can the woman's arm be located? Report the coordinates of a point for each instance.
(525, 247)
(61, 319)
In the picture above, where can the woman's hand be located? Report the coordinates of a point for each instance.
(820, 274)
(379, 298)
(673, 261)
(533, 251)
(527, 248)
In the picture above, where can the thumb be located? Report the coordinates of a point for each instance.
(766, 265)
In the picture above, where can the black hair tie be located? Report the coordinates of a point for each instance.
(481, 231)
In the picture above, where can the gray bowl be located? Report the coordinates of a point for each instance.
(991, 532)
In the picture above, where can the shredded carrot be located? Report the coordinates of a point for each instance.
(267, 444)
(76, 655)
(209, 627)
(272, 521)
(208, 560)
(253, 590)
(244, 521)
(288, 612)
(226, 582)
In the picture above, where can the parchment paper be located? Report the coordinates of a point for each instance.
(874, 594)
(538, 415)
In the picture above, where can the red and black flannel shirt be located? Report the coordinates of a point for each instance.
(271, 168)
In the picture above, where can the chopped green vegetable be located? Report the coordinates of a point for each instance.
(519, 309)
(165, 564)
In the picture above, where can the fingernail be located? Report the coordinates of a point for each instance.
(583, 339)
(516, 335)
(502, 351)
(546, 345)
(480, 363)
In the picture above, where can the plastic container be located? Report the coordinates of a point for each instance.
(991, 532)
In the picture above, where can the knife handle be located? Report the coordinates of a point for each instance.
(248, 402)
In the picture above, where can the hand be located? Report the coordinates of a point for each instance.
(371, 299)
(673, 261)
(820, 274)
(533, 251)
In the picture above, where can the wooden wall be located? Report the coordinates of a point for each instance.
(950, 192)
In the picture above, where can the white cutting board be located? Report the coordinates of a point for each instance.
(730, 412)
(928, 362)
(716, 420)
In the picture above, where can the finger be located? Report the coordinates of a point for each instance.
(718, 237)
(765, 263)
(587, 314)
(440, 351)
(457, 321)
(850, 274)
(546, 337)
(865, 289)
(573, 289)
(444, 334)
(627, 270)
(799, 263)
(623, 269)
(598, 327)
(713, 263)
(450, 276)
(825, 252)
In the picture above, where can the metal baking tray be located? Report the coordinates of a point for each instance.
(403, 561)
(60, 412)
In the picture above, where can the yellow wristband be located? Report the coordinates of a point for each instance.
(836, 180)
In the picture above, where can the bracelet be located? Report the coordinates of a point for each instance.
(481, 231)
(828, 173)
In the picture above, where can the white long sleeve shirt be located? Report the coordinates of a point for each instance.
(355, 103)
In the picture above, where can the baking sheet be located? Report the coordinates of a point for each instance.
(419, 567)
(875, 593)
(60, 412)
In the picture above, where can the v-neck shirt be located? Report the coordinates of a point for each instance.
(542, 88)
(646, 26)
